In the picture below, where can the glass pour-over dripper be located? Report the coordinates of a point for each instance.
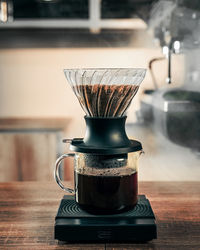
(105, 92)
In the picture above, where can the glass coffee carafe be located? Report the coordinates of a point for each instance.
(103, 183)
(105, 160)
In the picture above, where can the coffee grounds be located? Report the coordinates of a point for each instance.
(100, 100)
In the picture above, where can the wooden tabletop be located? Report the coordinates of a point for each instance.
(28, 209)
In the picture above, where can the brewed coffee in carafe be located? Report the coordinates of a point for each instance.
(105, 160)
(106, 183)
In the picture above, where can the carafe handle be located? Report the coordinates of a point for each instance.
(57, 175)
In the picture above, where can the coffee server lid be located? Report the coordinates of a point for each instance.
(78, 145)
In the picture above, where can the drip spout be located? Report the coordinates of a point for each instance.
(169, 78)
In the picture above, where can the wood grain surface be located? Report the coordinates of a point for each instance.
(28, 209)
(22, 123)
(29, 148)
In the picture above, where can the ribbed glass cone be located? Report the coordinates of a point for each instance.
(105, 92)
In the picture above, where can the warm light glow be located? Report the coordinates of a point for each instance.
(3, 11)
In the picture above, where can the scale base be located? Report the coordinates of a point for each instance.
(72, 224)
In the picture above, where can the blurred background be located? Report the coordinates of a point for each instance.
(40, 38)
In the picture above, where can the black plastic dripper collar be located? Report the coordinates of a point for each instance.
(106, 132)
(105, 136)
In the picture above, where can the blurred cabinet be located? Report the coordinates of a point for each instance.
(29, 148)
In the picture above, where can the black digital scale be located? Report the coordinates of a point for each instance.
(72, 224)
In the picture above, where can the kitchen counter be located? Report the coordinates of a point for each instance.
(28, 209)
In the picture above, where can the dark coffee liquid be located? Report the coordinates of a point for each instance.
(106, 194)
